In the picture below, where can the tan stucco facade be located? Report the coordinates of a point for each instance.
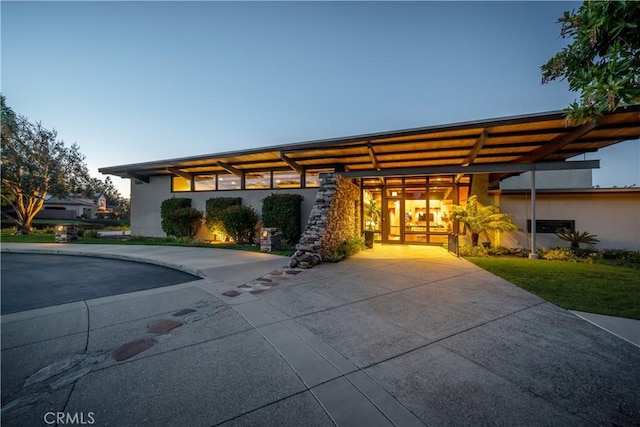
(612, 214)
(146, 199)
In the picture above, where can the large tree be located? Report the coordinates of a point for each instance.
(602, 62)
(34, 164)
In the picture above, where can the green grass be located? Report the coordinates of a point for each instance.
(50, 238)
(593, 288)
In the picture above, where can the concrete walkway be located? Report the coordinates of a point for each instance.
(394, 336)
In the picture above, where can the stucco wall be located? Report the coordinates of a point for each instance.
(613, 217)
(147, 198)
(580, 178)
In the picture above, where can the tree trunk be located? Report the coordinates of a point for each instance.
(474, 239)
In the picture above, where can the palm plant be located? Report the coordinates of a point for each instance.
(478, 219)
(575, 238)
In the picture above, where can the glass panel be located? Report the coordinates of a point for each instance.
(415, 215)
(440, 180)
(179, 183)
(465, 179)
(393, 181)
(422, 181)
(372, 213)
(286, 179)
(393, 220)
(394, 192)
(204, 182)
(463, 194)
(312, 177)
(257, 180)
(228, 182)
(371, 182)
(440, 205)
(438, 238)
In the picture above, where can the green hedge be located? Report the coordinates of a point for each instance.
(282, 211)
(240, 223)
(213, 213)
(167, 208)
(186, 222)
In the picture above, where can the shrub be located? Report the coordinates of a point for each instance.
(239, 222)
(472, 251)
(499, 251)
(575, 238)
(622, 254)
(92, 234)
(213, 213)
(185, 222)
(558, 254)
(282, 211)
(345, 249)
(169, 206)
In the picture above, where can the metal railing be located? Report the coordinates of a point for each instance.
(452, 244)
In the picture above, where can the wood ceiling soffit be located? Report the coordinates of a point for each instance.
(138, 176)
(372, 155)
(235, 171)
(178, 172)
(558, 143)
(295, 166)
(476, 148)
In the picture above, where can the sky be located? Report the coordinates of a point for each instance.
(141, 81)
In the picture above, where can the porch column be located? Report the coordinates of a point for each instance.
(533, 254)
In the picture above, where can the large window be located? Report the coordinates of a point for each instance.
(179, 184)
(257, 180)
(286, 179)
(312, 177)
(229, 182)
(204, 182)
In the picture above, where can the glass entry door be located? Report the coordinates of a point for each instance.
(394, 223)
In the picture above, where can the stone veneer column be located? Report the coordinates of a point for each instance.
(333, 219)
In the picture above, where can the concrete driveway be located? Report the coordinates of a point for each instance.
(400, 336)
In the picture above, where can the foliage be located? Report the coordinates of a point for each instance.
(34, 164)
(372, 213)
(603, 59)
(345, 249)
(558, 254)
(499, 251)
(593, 288)
(576, 238)
(184, 222)
(478, 219)
(169, 206)
(621, 254)
(282, 211)
(472, 251)
(95, 187)
(240, 222)
(213, 213)
(92, 234)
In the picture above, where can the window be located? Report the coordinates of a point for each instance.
(551, 225)
(257, 180)
(204, 182)
(179, 184)
(229, 182)
(312, 177)
(286, 179)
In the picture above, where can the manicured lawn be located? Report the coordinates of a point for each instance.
(50, 238)
(593, 288)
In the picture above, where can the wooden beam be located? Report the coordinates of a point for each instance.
(372, 155)
(296, 167)
(178, 172)
(476, 148)
(458, 178)
(558, 143)
(235, 171)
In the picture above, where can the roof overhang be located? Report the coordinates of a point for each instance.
(500, 147)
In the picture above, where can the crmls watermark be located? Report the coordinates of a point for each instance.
(67, 418)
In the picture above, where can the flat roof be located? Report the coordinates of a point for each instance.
(526, 139)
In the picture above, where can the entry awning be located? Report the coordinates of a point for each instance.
(520, 140)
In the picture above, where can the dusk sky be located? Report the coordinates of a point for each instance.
(141, 81)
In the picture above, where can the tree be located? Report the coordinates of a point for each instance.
(575, 238)
(35, 163)
(478, 219)
(95, 187)
(603, 60)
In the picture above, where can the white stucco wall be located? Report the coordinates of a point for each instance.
(613, 216)
(147, 198)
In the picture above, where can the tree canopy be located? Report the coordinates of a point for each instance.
(602, 62)
(35, 163)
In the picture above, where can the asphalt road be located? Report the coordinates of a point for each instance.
(32, 281)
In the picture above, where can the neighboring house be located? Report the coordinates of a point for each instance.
(415, 176)
(70, 208)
